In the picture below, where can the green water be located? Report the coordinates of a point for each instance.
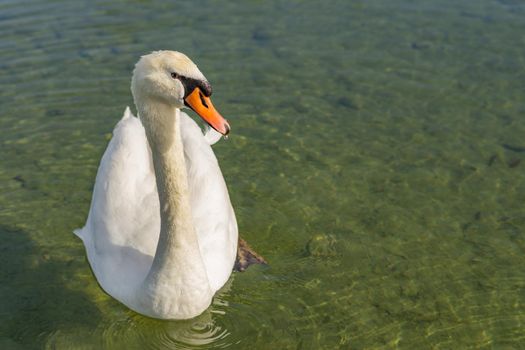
(377, 162)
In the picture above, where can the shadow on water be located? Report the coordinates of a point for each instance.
(34, 299)
(40, 309)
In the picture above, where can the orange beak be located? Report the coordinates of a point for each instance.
(204, 108)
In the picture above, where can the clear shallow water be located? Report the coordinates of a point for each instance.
(376, 161)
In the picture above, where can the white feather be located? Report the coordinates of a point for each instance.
(122, 229)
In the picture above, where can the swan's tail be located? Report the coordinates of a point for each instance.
(127, 113)
(79, 233)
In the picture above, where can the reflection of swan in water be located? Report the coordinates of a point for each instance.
(204, 330)
(161, 236)
(135, 331)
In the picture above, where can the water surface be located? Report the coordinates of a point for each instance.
(377, 161)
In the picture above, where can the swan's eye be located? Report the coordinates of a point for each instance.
(174, 75)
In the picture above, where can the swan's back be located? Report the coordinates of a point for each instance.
(123, 226)
(212, 212)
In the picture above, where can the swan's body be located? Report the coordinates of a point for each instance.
(161, 235)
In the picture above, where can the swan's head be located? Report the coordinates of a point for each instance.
(170, 77)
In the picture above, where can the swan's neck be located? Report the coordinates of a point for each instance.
(178, 268)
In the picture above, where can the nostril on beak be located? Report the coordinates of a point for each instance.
(203, 101)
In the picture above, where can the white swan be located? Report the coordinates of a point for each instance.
(161, 235)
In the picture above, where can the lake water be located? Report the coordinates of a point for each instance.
(377, 161)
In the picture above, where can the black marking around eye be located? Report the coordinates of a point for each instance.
(190, 84)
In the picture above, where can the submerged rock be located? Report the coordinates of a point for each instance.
(322, 245)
